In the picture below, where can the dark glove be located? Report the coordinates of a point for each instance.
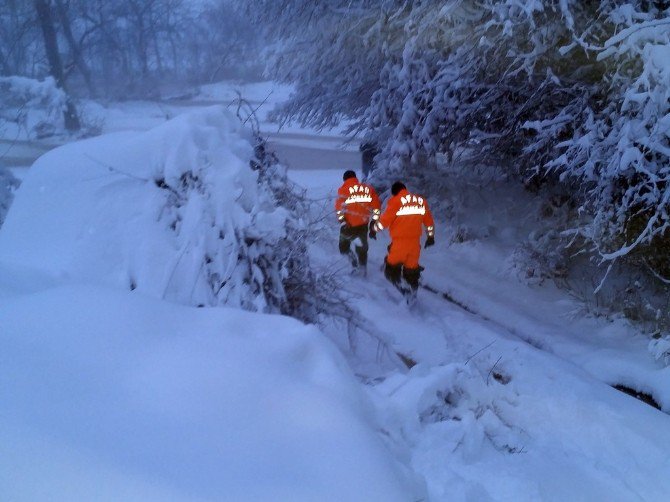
(430, 240)
(373, 231)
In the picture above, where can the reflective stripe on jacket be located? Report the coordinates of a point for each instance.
(357, 203)
(405, 216)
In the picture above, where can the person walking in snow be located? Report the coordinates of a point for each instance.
(405, 216)
(357, 205)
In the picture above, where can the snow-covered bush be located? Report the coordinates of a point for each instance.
(660, 349)
(466, 407)
(184, 212)
(539, 258)
(8, 183)
(31, 109)
(621, 154)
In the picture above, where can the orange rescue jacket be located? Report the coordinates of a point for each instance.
(405, 215)
(356, 203)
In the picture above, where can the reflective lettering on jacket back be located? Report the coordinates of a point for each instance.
(358, 193)
(411, 204)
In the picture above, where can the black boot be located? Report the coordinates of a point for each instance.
(411, 276)
(393, 273)
(362, 254)
(345, 245)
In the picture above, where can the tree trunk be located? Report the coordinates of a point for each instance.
(51, 48)
(74, 47)
(159, 59)
(3, 64)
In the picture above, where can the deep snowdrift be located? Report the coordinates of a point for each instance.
(115, 396)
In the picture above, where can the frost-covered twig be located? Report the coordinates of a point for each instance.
(116, 170)
(491, 370)
(604, 278)
(479, 351)
(655, 273)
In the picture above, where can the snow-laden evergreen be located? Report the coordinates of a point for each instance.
(31, 109)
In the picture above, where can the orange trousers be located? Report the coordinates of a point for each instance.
(404, 252)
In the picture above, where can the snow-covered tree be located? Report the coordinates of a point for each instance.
(620, 151)
(420, 77)
(127, 47)
(564, 92)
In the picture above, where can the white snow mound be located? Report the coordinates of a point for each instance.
(164, 211)
(116, 396)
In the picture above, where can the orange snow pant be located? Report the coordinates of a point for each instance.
(404, 252)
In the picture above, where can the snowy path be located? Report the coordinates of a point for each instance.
(548, 319)
(474, 277)
(511, 396)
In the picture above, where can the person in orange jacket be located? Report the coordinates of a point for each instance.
(356, 205)
(405, 216)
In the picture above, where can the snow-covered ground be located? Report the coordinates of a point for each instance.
(511, 397)
(111, 395)
(117, 394)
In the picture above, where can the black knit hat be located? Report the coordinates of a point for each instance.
(348, 174)
(396, 187)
